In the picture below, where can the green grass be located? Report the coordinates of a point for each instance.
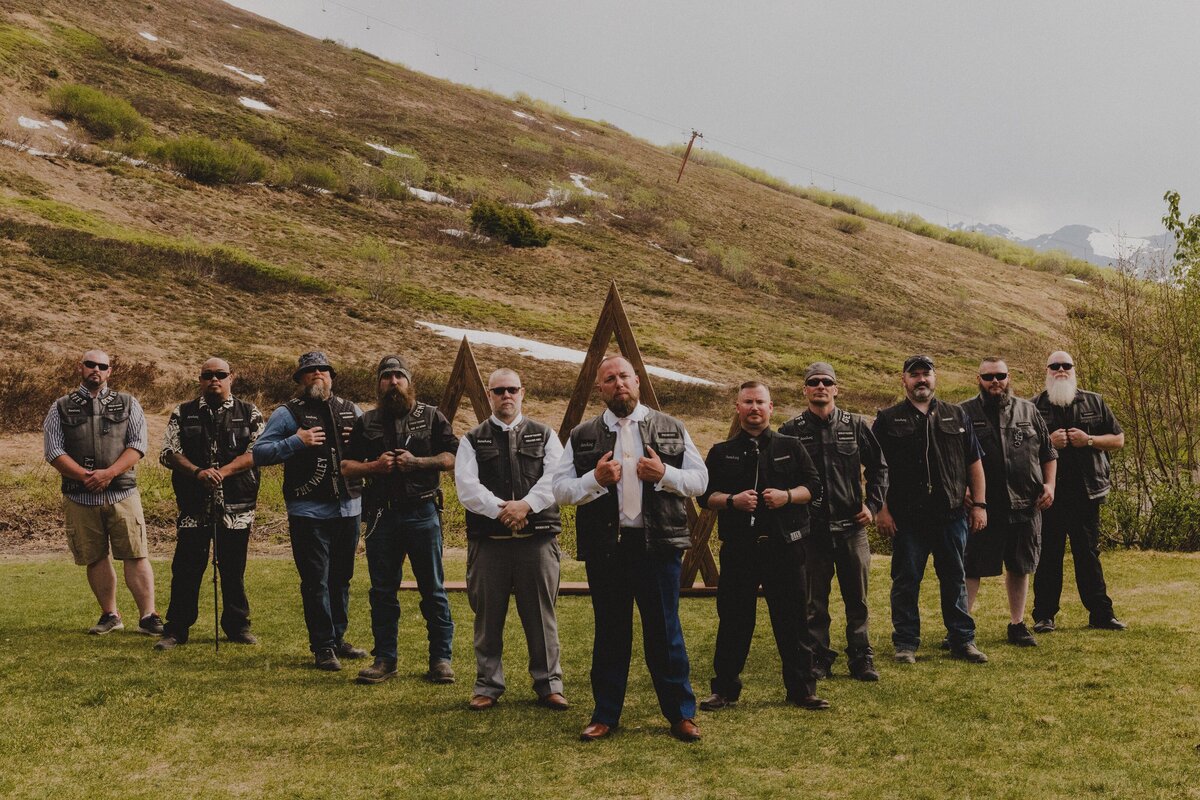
(101, 114)
(1085, 714)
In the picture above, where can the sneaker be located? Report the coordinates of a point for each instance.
(1019, 635)
(327, 660)
(108, 623)
(151, 625)
(715, 702)
(862, 668)
(1044, 625)
(167, 642)
(243, 637)
(905, 656)
(347, 650)
(440, 671)
(380, 671)
(968, 652)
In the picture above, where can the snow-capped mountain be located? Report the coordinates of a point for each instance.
(1104, 248)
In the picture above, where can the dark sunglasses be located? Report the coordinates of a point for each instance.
(988, 377)
(1060, 366)
(311, 370)
(96, 365)
(500, 391)
(820, 382)
(219, 374)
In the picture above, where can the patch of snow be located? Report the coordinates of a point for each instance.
(235, 25)
(149, 37)
(1076, 280)
(1110, 245)
(575, 133)
(32, 124)
(504, 165)
(683, 260)
(383, 148)
(257, 105)
(325, 111)
(578, 180)
(457, 234)
(569, 220)
(430, 197)
(317, 189)
(617, 216)
(560, 128)
(58, 123)
(655, 245)
(24, 148)
(541, 350)
(529, 117)
(250, 76)
(553, 198)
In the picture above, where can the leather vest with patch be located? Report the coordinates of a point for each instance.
(209, 441)
(413, 432)
(94, 435)
(510, 463)
(315, 473)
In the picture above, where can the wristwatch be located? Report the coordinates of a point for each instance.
(729, 502)
(980, 505)
(1090, 441)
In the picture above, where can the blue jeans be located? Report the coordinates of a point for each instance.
(324, 553)
(414, 533)
(911, 548)
(652, 579)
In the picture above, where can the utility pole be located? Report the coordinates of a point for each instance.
(695, 135)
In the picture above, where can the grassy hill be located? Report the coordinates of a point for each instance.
(317, 242)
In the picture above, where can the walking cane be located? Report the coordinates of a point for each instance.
(216, 513)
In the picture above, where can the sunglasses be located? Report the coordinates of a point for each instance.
(1060, 366)
(820, 382)
(988, 377)
(500, 391)
(219, 374)
(96, 365)
(311, 370)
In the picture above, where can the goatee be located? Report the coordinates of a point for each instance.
(622, 406)
(398, 402)
(1060, 391)
(315, 391)
(998, 399)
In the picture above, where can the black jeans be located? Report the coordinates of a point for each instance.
(779, 568)
(324, 553)
(1077, 519)
(849, 555)
(187, 573)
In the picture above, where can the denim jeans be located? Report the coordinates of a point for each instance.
(414, 533)
(651, 579)
(324, 553)
(946, 540)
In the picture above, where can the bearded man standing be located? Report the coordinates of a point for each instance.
(630, 471)
(307, 435)
(1019, 465)
(1084, 430)
(400, 448)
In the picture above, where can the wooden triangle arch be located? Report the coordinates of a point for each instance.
(465, 379)
(614, 323)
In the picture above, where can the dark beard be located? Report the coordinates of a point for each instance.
(622, 407)
(315, 391)
(992, 400)
(398, 402)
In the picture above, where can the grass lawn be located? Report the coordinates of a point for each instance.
(1087, 713)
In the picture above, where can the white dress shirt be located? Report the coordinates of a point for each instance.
(690, 480)
(478, 499)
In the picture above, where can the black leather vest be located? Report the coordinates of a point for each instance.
(664, 514)
(413, 432)
(833, 447)
(1011, 456)
(1088, 413)
(510, 463)
(315, 473)
(95, 440)
(209, 441)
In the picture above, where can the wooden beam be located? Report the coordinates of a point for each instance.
(465, 379)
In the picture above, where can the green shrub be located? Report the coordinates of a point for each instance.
(849, 224)
(411, 171)
(515, 226)
(210, 161)
(316, 175)
(101, 114)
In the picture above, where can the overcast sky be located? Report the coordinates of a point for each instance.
(1033, 115)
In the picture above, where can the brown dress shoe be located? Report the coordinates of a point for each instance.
(594, 731)
(554, 701)
(810, 703)
(685, 731)
(481, 702)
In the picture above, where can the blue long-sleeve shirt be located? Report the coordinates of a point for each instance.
(277, 443)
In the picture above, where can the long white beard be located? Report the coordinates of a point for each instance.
(1061, 391)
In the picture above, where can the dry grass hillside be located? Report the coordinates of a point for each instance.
(723, 277)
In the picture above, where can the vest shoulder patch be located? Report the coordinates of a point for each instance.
(586, 445)
(669, 435)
